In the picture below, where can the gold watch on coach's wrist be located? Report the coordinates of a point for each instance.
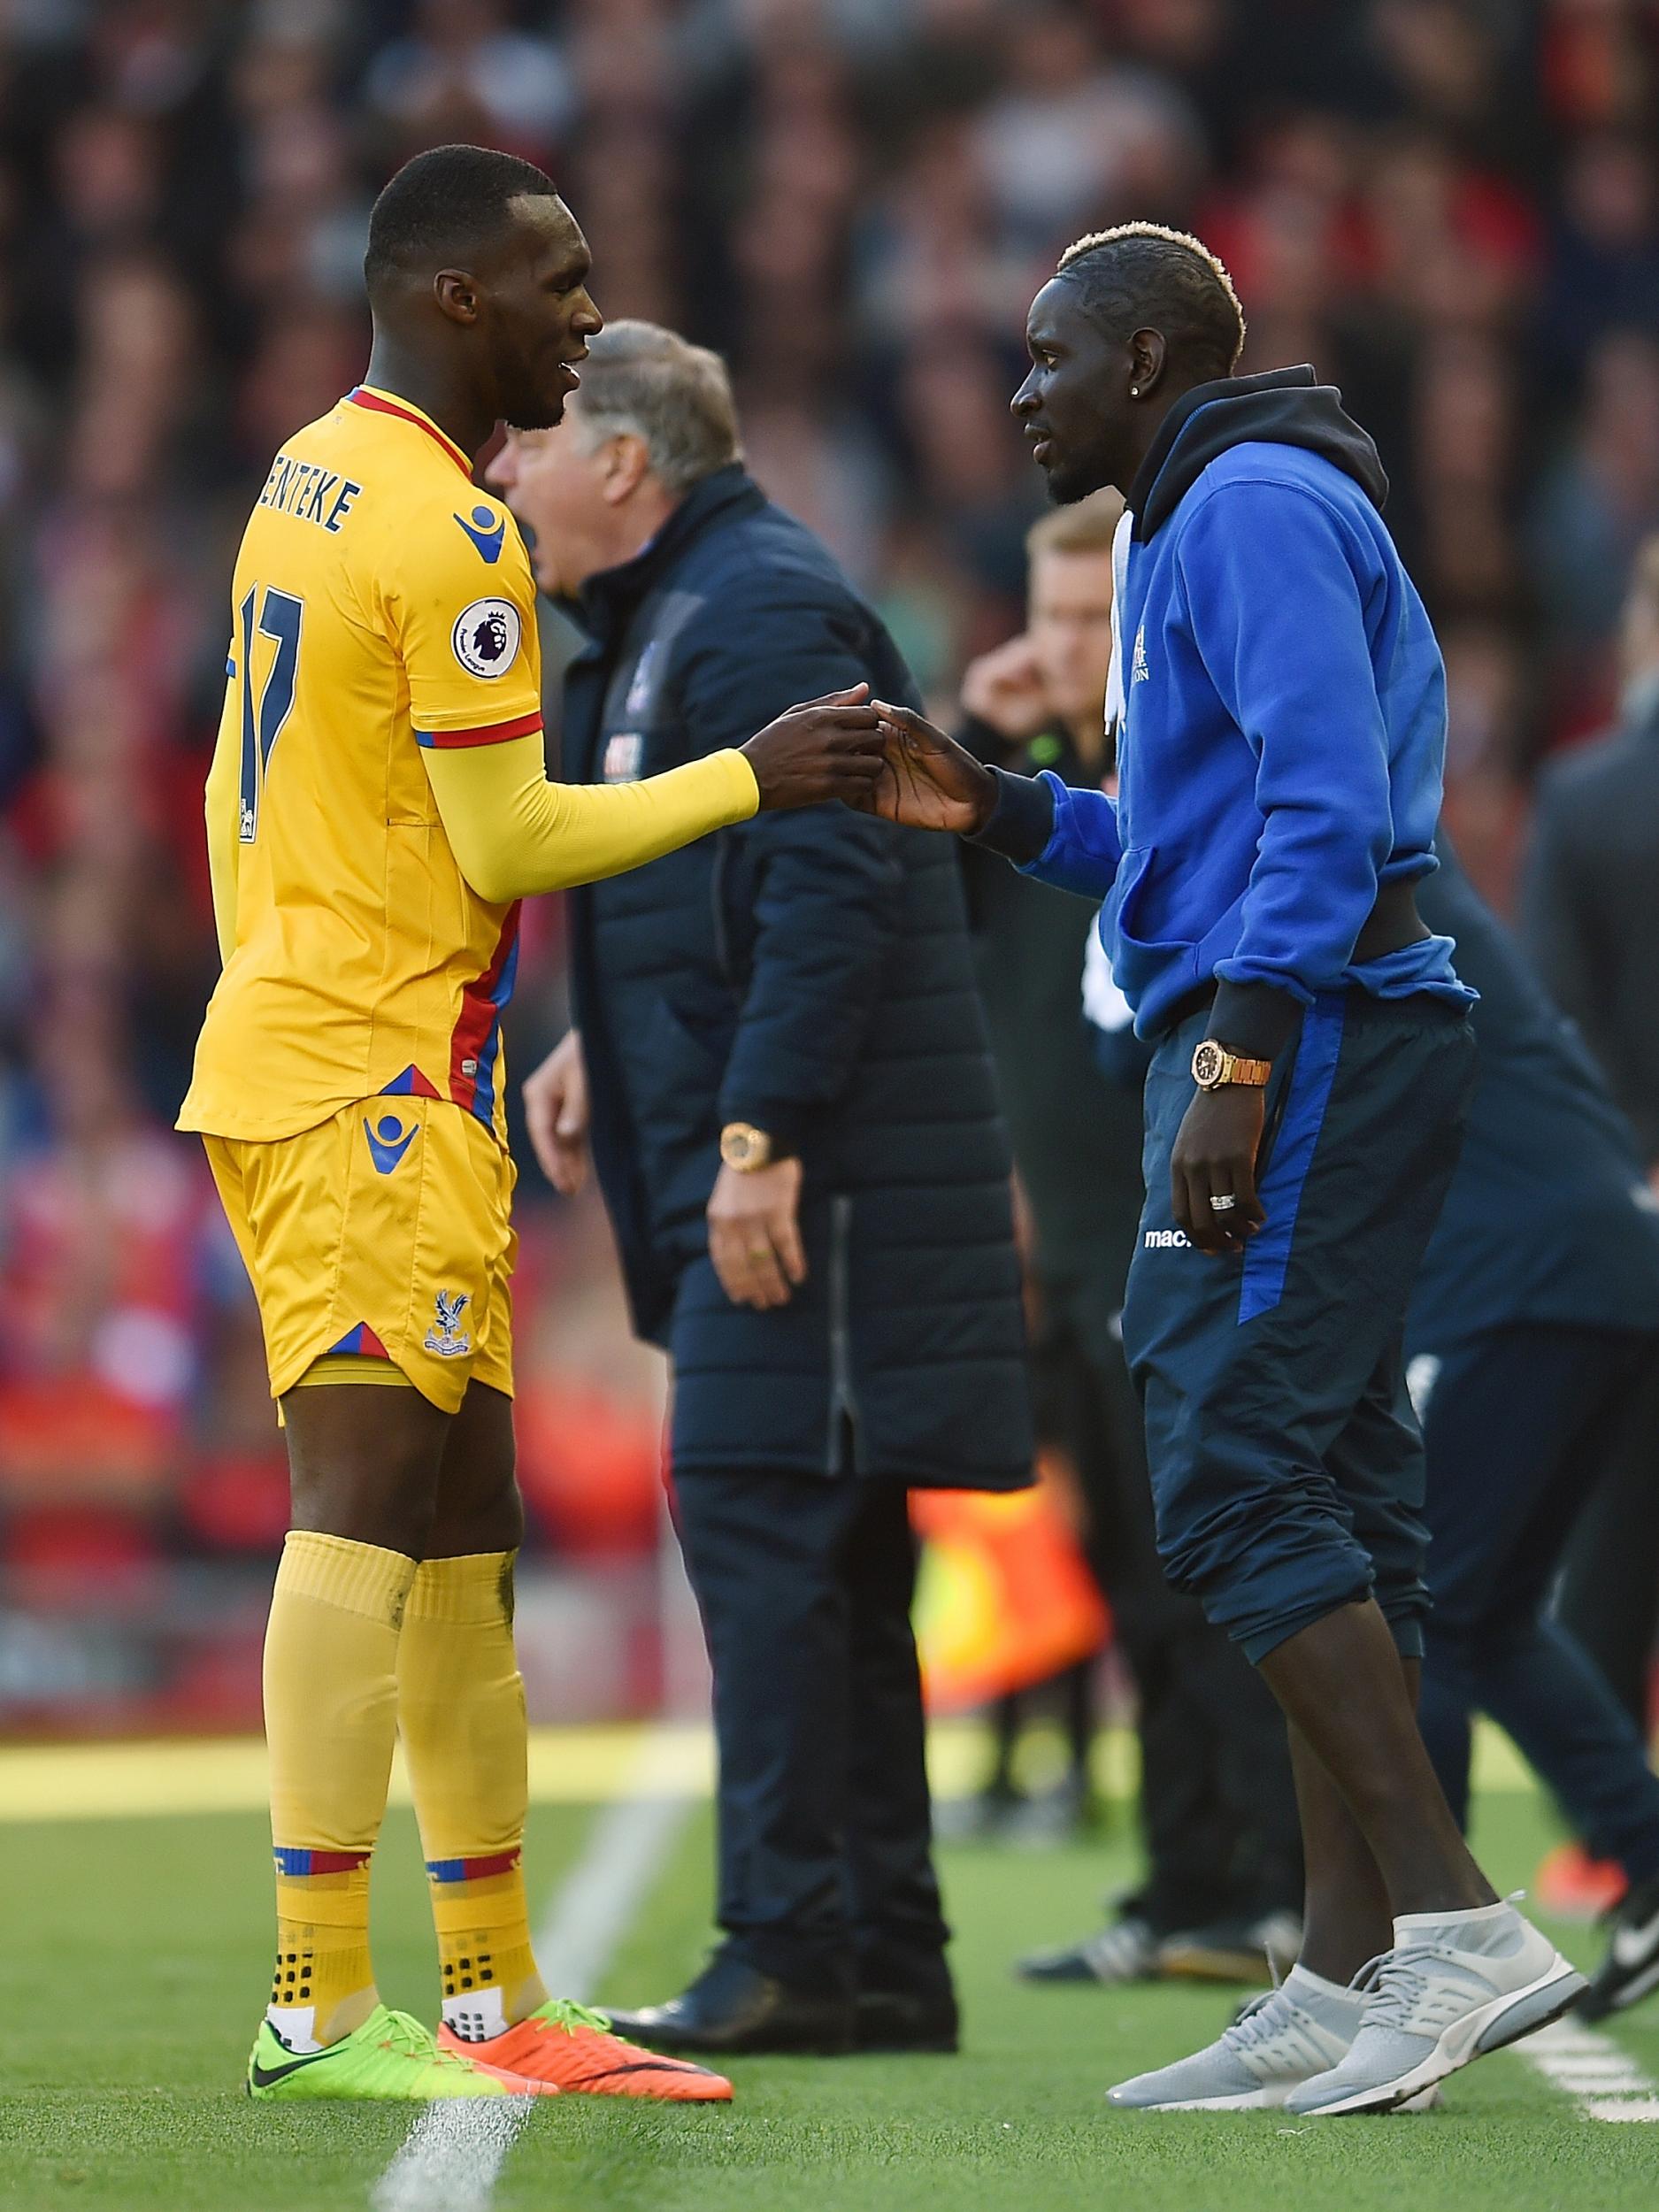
(745, 1147)
(1214, 1067)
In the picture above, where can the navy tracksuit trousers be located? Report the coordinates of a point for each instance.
(1288, 1470)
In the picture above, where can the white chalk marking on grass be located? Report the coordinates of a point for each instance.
(594, 1907)
(452, 2156)
(1599, 2076)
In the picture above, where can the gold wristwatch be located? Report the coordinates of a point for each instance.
(745, 1147)
(1214, 1067)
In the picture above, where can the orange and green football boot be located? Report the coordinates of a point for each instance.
(565, 2046)
(390, 2056)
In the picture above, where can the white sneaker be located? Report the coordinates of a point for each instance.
(1294, 2034)
(1456, 1987)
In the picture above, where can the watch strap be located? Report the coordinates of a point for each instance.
(1255, 1074)
(1216, 1067)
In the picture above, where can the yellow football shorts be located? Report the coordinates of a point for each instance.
(385, 1232)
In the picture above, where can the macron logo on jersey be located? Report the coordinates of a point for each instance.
(1167, 1240)
(487, 531)
(388, 1141)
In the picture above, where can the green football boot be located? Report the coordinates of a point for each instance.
(391, 2055)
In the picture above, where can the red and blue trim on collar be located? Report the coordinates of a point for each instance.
(376, 403)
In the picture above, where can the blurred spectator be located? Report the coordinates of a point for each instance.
(462, 71)
(1604, 272)
(1594, 507)
(1490, 730)
(1072, 135)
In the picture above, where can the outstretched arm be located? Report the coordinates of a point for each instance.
(1065, 837)
(514, 834)
(474, 672)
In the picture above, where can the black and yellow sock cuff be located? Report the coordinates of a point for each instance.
(356, 1578)
(470, 1592)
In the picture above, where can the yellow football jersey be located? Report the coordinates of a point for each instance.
(380, 603)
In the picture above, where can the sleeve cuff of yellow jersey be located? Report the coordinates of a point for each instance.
(488, 733)
(740, 777)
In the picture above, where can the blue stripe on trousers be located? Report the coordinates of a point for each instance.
(1267, 1255)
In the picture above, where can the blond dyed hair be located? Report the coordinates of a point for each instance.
(1146, 271)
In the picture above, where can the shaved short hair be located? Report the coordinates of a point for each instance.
(443, 206)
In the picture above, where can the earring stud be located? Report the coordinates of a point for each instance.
(1134, 391)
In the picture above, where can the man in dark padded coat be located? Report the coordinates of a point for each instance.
(779, 1063)
(1591, 923)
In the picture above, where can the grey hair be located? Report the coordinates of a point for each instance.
(643, 381)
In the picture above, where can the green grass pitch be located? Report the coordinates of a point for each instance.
(135, 1953)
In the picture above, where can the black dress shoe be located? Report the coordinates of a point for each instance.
(731, 2006)
(902, 2020)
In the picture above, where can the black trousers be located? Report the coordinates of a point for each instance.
(1218, 1805)
(825, 1868)
(1517, 1424)
(1608, 1599)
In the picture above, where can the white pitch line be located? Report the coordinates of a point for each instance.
(1599, 2076)
(452, 2156)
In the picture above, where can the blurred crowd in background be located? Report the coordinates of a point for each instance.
(1451, 207)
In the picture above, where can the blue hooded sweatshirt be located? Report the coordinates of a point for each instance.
(1283, 733)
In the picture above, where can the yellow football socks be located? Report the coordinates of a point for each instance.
(460, 1705)
(331, 1720)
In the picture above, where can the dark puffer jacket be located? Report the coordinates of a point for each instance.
(809, 972)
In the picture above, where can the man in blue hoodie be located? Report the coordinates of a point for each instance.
(1281, 732)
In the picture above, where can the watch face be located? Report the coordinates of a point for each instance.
(1208, 1062)
(743, 1147)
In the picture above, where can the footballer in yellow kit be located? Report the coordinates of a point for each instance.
(382, 709)
(382, 606)
(377, 805)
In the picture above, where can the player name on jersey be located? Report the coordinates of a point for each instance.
(312, 494)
